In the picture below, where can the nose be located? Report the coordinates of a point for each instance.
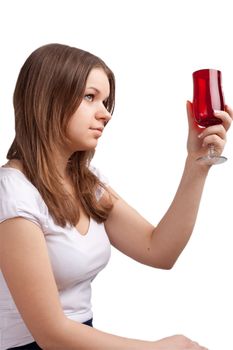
(103, 114)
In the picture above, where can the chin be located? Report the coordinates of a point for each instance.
(90, 147)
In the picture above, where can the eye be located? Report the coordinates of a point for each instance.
(89, 97)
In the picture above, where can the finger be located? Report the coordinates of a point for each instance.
(229, 110)
(218, 130)
(214, 140)
(225, 117)
(198, 346)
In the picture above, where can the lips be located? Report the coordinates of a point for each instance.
(100, 128)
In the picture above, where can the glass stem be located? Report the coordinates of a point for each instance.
(212, 152)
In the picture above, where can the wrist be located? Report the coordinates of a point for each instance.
(197, 168)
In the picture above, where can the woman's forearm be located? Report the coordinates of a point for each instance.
(73, 336)
(174, 230)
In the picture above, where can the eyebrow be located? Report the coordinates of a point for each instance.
(92, 87)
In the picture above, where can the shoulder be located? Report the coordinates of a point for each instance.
(14, 184)
(18, 197)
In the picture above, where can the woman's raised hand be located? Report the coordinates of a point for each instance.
(199, 138)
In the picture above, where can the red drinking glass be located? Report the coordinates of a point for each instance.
(208, 97)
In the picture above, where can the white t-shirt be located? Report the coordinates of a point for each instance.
(76, 259)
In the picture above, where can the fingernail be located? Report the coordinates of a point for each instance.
(217, 112)
(200, 135)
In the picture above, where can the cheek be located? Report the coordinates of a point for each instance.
(78, 132)
(74, 132)
(77, 126)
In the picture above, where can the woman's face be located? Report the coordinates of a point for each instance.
(87, 124)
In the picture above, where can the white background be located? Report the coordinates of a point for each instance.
(153, 47)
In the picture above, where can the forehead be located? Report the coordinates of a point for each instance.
(98, 79)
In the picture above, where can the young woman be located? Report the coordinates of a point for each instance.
(58, 217)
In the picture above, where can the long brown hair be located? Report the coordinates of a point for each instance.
(49, 89)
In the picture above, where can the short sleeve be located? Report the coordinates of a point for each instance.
(102, 178)
(19, 198)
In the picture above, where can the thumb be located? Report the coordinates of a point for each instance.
(191, 120)
(193, 126)
(189, 107)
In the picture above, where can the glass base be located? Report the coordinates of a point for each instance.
(211, 160)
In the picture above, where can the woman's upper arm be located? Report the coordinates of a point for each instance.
(128, 231)
(25, 264)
